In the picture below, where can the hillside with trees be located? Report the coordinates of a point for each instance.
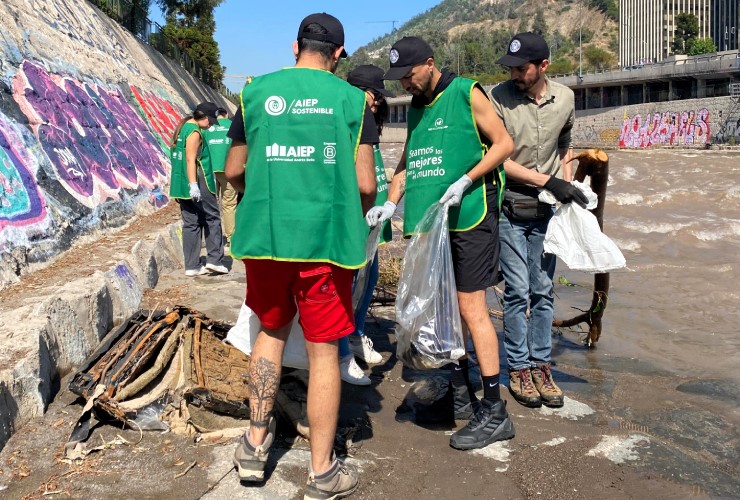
(468, 36)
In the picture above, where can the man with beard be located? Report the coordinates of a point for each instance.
(303, 135)
(454, 149)
(538, 114)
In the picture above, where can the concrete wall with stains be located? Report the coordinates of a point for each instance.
(691, 123)
(86, 112)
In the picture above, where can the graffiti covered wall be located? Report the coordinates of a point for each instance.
(86, 115)
(689, 123)
(683, 128)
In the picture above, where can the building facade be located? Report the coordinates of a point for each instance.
(647, 27)
(724, 24)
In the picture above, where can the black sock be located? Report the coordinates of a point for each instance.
(460, 376)
(491, 388)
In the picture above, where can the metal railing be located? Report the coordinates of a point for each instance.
(731, 57)
(130, 15)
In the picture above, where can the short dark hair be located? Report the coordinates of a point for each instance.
(325, 49)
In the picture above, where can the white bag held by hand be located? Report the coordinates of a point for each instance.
(573, 234)
(244, 333)
(429, 330)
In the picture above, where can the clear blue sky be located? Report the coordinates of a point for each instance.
(255, 37)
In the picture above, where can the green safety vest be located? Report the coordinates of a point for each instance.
(301, 201)
(443, 145)
(386, 234)
(218, 143)
(179, 183)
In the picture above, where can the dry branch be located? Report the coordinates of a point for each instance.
(594, 164)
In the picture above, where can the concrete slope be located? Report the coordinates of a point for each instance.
(86, 113)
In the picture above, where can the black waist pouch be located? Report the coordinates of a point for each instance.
(521, 204)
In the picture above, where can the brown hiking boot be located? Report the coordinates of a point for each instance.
(338, 482)
(522, 388)
(549, 392)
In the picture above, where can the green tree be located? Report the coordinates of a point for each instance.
(598, 58)
(687, 28)
(701, 46)
(190, 23)
(608, 7)
(561, 66)
(539, 25)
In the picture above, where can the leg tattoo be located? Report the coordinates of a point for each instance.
(264, 379)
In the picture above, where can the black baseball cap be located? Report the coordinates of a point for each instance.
(405, 54)
(369, 77)
(524, 48)
(334, 29)
(209, 109)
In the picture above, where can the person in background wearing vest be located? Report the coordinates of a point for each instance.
(453, 154)
(218, 144)
(370, 79)
(539, 115)
(193, 186)
(300, 231)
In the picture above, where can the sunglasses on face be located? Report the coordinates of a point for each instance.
(377, 96)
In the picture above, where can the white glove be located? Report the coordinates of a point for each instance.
(454, 193)
(379, 214)
(194, 191)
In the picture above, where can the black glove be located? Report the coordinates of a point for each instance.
(565, 192)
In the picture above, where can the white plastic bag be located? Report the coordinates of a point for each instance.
(429, 329)
(244, 333)
(371, 246)
(573, 234)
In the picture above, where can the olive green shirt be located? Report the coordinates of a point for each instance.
(538, 130)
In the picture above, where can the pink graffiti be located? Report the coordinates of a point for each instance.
(95, 140)
(670, 128)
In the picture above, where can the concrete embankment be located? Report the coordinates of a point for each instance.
(86, 113)
(53, 319)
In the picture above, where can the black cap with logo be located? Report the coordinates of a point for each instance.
(334, 29)
(208, 109)
(368, 76)
(524, 48)
(405, 54)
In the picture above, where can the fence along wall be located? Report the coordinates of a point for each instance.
(86, 112)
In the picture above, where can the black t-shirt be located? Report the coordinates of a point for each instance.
(369, 128)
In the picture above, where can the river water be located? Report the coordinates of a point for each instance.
(675, 214)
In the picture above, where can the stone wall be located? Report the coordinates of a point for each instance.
(86, 112)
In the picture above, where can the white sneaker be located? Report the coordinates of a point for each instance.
(196, 272)
(217, 268)
(351, 373)
(362, 347)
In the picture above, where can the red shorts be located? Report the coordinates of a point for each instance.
(320, 292)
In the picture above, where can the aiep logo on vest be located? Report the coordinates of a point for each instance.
(277, 152)
(275, 105)
(439, 124)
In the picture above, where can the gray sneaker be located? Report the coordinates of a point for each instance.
(338, 482)
(249, 460)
